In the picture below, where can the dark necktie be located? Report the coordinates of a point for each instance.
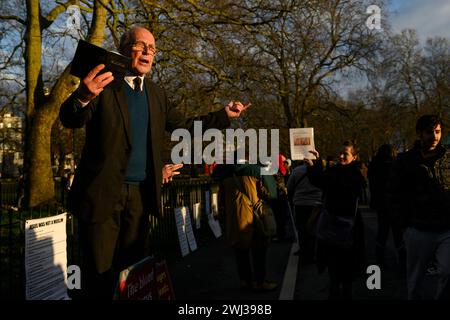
(137, 84)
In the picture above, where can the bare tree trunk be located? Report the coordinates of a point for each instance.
(40, 175)
(33, 41)
(287, 112)
(40, 115)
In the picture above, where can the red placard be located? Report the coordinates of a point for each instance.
(145, 280)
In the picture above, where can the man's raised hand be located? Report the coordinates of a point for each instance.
(169, 170)
(93, 84)
(234, 108)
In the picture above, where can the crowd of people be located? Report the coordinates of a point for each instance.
(117, 184)
(409, 193)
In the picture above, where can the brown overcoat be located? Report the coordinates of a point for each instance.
(239, 228)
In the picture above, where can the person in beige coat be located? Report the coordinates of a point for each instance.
(250, 246)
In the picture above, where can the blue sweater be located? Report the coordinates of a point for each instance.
(138, 111)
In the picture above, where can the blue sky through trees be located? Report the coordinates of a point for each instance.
(429, 18)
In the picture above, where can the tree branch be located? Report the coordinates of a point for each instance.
(53, 14)
(11, 17)
(6, 64)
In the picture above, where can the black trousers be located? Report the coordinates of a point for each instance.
(114, 244)
(385, 224)
(244, 259)
(306, 236)
(279, 208)
(340, 271)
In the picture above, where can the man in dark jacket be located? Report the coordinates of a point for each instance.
(118, 180)
(419, 195)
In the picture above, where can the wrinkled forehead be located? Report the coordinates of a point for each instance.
(141, 34)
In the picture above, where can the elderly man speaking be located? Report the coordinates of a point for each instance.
(118, 180)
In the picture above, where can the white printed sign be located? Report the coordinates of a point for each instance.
(302, 141)
(188, 227)
(185, 232)
(197, 215)
(215, 226)
(214, 205)
(46, 258)
(184, 245)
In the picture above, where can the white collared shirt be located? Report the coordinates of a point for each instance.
(128, 79)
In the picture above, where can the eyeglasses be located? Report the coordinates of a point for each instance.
(142, 46)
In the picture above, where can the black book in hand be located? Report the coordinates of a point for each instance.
(88, 56)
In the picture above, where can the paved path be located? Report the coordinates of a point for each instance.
(210, 273)
(314, 286)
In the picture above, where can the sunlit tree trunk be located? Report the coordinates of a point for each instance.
(42, 111)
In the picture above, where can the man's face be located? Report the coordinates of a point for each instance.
(346, 155)
(431, 137)
(141, 50)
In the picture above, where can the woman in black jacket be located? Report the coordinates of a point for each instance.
(341, 185)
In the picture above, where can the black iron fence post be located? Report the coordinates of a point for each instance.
(10, 249)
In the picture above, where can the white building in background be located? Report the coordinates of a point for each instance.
(11, 141)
